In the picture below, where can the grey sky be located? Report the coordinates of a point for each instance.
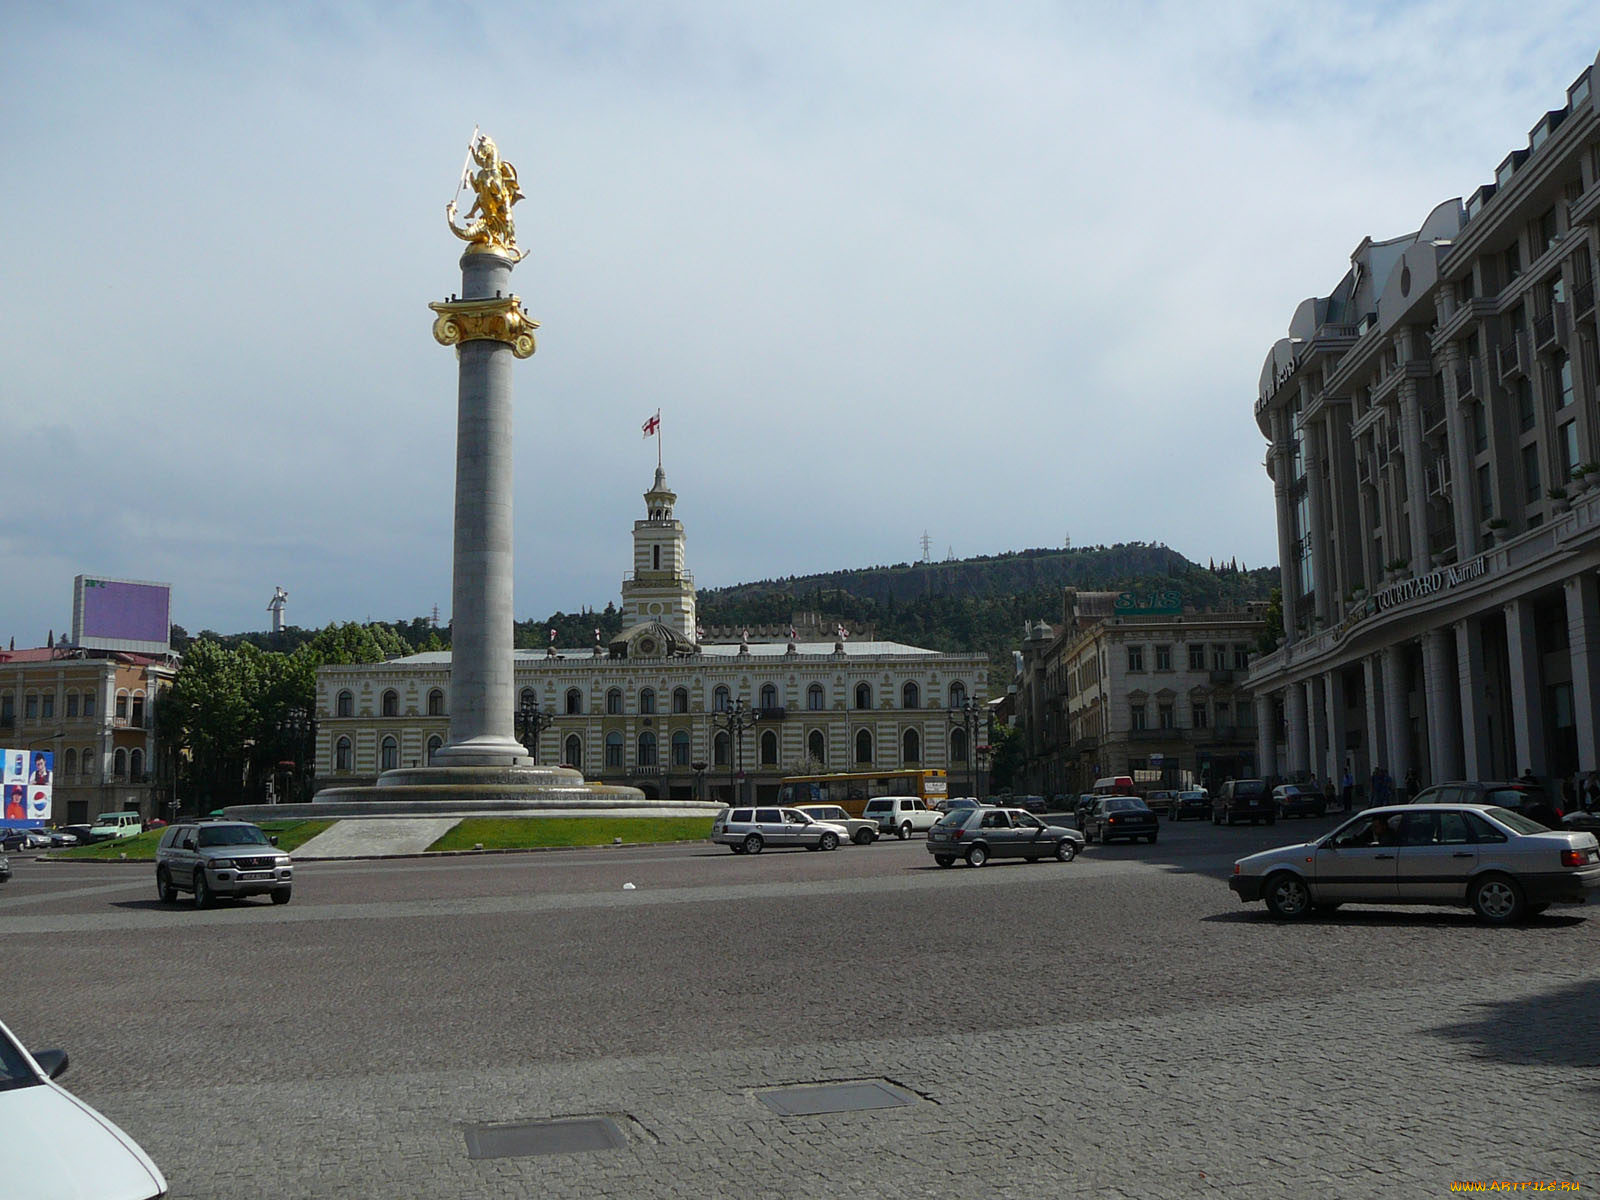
(1001, 272)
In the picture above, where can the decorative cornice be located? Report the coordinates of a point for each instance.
(496, 320)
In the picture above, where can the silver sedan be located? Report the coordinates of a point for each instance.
(979, 834)
(1501, 864)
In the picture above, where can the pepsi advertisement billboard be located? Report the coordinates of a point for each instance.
(26, 781)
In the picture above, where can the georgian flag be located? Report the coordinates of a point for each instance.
(653, 425)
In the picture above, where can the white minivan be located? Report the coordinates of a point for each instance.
(901, 815)
(108, 826)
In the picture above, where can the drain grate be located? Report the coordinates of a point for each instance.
(524, 1139)
(815, 1099)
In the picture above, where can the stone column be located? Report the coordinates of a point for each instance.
(1333, 703)
(1459, 433)
(1444, 708)
(1416, 480)
(1377, 749)
(1267, 737)
(1322, 573)
(1397, 714)
(1583, 637)
(1295, 717)
(1524, 679)
(1477, 756)
(1317, 722)
(1288, 562)
(482, 691)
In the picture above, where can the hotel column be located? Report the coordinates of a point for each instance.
(1444, 708)
(1460, 460)
(1583, 636)
(1397, 713)
(1377, 750)
(1288, 560)
(1477, 756)
(1321, 566)
(1295, 716)
(1333, 703)
(1267, 738)
(1317, 720)
(1527, 694)
(1416, 495)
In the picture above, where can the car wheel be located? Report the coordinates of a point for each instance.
(164, 887)
(281, 895)
(1497, 899)
(202, 891)
(904, 831)
(864, 837)
(945, 860)
(1066, 850)
(977, 856)
(1287, 896)
(752, 844)
(828, 841)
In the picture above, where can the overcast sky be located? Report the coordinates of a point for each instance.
(1004, 273)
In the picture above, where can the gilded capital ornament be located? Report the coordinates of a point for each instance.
(494, 320)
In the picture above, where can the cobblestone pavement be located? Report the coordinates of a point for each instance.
(1118, 1026)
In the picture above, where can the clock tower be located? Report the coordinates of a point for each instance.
(659, 588)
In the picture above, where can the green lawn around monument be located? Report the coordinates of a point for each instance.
(142, 848)
(528, 833)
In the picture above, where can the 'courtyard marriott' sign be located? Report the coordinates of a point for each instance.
(1408, 590)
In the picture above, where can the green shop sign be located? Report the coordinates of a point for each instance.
(1148, 604)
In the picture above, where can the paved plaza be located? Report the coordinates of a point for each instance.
(1116, 1026)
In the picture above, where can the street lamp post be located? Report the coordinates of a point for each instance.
(533, 722)
(735, 721)
(965, 716)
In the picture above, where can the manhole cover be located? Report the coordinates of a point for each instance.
(835, 1098)
(526, 1138)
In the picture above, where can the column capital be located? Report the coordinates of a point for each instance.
(493, 320)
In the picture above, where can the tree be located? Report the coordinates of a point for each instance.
(1005, 757)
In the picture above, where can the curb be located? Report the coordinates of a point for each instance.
(117, 862)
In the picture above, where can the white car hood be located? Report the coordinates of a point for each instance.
(73, 1153)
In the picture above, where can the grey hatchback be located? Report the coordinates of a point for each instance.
(979, 834)
(221, 858)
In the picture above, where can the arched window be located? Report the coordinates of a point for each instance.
(71, 767)
(655, 558)
(647, 700)
(574, 702)
(344, 705)
(433, 747)
(572, 751)
(137, 720)
(680, 700)
(136, 765)
(647, 749)
(863, 746)
(391, 703)
(614, 703)
(613, 749)
(769, 696)
(721, 699)
(91, 765)
(958, 745)
(119, 764)
(911, 695)
(526, 699)
(817, 747)
(863, 695)
(436, 703)
(910, 747)
(719, 750)
(121, 711)
(814, 697)
(680, 749)
(769, 748)
(343, 756)
(958, 694)
(389, 760)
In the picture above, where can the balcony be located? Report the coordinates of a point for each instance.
(1432, 416)
(1550, 329)
(1438, 479)
(1511, 357)
(775, 713)
(1583, 298)
(1467, 382)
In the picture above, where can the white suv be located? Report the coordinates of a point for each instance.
(901, 815)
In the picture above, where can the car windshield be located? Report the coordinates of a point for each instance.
(1249, 787)
(1124, 805)
(955, 816)
(231, 835)
(1515, 821)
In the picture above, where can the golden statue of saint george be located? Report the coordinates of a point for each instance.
(489, 226)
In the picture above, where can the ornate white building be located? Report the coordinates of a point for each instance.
(666, 712)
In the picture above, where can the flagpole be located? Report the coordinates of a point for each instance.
(658, 439)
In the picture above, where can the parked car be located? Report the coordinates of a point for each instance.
(1080, 810)
(80, 832)
(62, 837)
(112, 826)
(901, 814)
(952, 803)
(1160, 802)
(1529, 799)
(57, 1145)
(1291, 800)
(979, 834)
(1242, 800)
(1033, 804)
(752, 830)
(1502, 864)
(859, 830)
(221, 858)
(1119, 817)
(12, 840)
(1195, 804)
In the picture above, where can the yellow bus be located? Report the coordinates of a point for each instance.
(851, 790)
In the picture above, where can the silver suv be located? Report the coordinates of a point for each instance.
(221, 858)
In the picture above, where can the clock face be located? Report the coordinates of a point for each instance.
(647, 645)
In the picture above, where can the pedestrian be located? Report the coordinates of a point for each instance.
(1347, 788)
(1412, 787)
(1329, 793)
(1375, 785)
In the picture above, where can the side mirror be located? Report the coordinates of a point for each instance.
(273, 840)
(52, 1062)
